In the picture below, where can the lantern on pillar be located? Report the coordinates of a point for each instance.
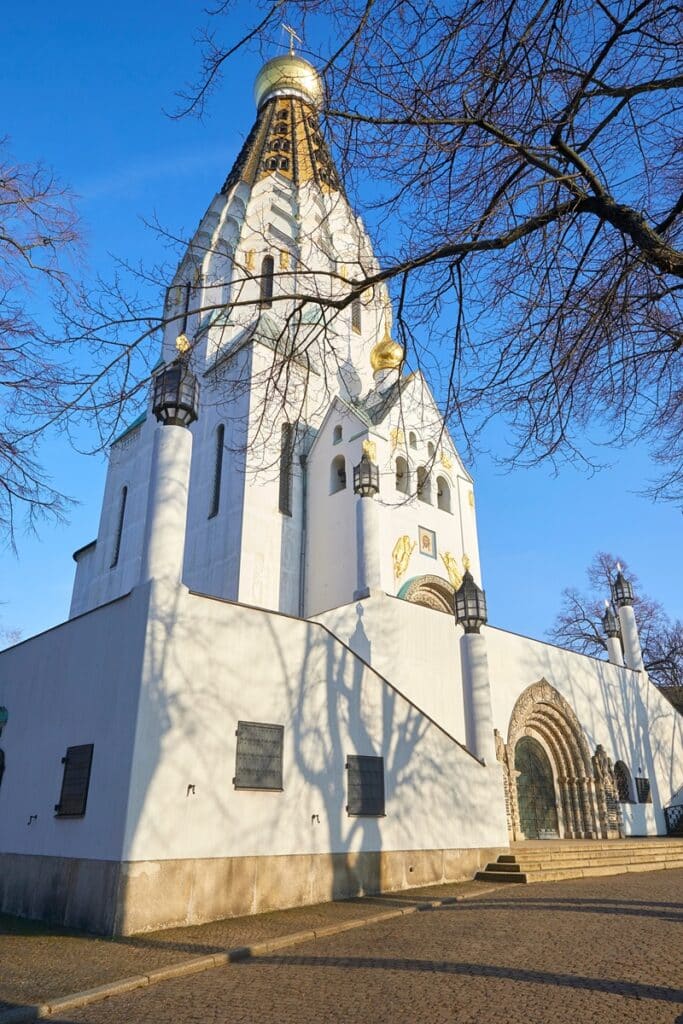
(175, 395)
(610, 622)
(470, 605)
(366, 477)
(622, 591)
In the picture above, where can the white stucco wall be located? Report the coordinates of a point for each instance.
(210, 664)
(417, 648)
(75, 684)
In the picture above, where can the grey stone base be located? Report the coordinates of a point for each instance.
(137, 896)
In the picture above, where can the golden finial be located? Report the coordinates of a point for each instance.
(292, 37)
(387, 354)
(183, 344)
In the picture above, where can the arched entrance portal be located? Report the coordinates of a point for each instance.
(430, 591)
(549, 778)
(535, 791)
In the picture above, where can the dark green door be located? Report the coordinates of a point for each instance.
(535, 790)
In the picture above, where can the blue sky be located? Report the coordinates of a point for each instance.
(86, 90)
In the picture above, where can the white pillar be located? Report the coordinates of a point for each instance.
(166, 521)
(477, 691)
(367, 547)
(614, 652)
(633, 656)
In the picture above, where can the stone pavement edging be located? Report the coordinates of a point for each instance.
(194, 965)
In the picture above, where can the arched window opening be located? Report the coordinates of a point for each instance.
(286, 460)
(622, 777)
(267, 270)
(424, 486)
(412, 439)
(356, 322)
(271, 163)
(337, 474)
(119, 528)
(402, 478)
(281, 129)
(430, 449)
(217, 471)
(443, 494)
(337, 435)
(283, 163)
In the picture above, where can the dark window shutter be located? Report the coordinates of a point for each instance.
(258, 762)
(643, 791)
(286, 457)
(365, 785)
(75, 781)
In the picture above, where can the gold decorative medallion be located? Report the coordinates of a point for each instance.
(284, 259)
(403, 549)
(370, 449)
(249, 259)
(451, 566)
(446, 460)
(470, 498)
(183, 344)
(397, 437)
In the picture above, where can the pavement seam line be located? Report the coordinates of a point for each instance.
(195, 965)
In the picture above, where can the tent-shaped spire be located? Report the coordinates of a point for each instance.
(286, 138)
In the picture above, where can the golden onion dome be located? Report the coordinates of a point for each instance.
(288, 74)
(387, 354)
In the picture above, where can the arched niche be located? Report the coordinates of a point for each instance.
(429, 591)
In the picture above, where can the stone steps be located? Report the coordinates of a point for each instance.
(554, 861)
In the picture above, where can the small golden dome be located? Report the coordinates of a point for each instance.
(288, 74)
(387, 354)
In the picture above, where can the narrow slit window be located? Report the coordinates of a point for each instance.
(338, 474)
(119, 528)
(286, 459)
(443, 494)
(217, 472)
(402, 480)
(267, 271)
(356, 321)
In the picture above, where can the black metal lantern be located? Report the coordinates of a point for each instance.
(366, 477)
(610, 621)
(622, 591)
(470, 605)
(175, 396)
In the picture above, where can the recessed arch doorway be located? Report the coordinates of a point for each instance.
(552, 784)
(536, 797)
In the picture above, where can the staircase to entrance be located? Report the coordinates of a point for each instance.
(552, 860)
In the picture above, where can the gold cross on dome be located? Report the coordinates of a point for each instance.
(292, 37)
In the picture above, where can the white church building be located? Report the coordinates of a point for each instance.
(277, 684)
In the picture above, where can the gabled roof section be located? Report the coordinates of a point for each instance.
(375, 407)
(286, 139)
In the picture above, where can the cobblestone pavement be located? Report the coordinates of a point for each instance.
(603, 950)
(38, 962)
